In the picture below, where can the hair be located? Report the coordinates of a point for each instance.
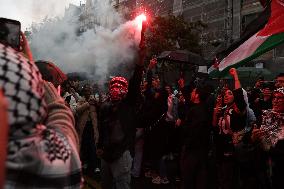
(268, 85)
(168, 85)
(280, 75)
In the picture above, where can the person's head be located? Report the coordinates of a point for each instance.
(259, 82)
(156, 82)
(118, 88)
(279, 81)
(74, 83)
(228, 97)
(87, 91)
(51, 73)
(65, 87)
(267, 90)
(199, 94)
(169, 89)
(180, 97)
(278, 100)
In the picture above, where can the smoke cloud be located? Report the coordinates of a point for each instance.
(29, 11)
(110, 43)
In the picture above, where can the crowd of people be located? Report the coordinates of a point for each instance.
(226, 138)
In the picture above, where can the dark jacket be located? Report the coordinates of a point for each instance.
(117, 121)
(196, 127)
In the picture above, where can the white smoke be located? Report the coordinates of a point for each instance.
(29, 11)
(96, 51)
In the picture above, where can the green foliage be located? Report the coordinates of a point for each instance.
(164, 33)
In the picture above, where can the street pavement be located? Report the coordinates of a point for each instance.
(93, 181)
(137, 183)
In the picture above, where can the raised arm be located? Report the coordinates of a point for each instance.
(233, 72)
(135, 81)
(60, 117)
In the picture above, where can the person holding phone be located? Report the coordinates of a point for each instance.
(42, 146)
(11, 35)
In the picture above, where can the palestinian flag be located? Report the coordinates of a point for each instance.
(270, 36)
(252, 28)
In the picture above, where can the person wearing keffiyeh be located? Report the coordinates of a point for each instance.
(42, 150)
(270, 136)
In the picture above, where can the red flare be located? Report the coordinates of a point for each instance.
(140, 19)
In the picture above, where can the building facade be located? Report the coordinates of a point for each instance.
(223, 17)
(225, 20)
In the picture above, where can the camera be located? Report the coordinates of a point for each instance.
(10, 31)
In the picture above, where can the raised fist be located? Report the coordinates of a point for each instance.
(181, 83)
(233, 72)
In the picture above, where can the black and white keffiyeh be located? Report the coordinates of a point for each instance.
(22, 86)
(38, 156)
(272, 123)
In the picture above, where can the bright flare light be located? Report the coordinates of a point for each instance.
(140, 19)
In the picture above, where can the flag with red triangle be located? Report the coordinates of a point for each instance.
(262, 41)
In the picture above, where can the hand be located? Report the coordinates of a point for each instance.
(25, 48)
(233, 72)
(51, 93)
(256, 135)
(181, 83)
(181, 99)
(256, 100)
(217, 110)
(219, 100)
(178, 122)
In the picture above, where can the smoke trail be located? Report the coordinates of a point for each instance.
(97, 51)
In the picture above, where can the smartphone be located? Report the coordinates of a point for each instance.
(10, 31)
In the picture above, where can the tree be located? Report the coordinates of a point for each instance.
(172, 33)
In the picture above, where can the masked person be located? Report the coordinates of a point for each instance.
(117, 128)
(42, 150)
